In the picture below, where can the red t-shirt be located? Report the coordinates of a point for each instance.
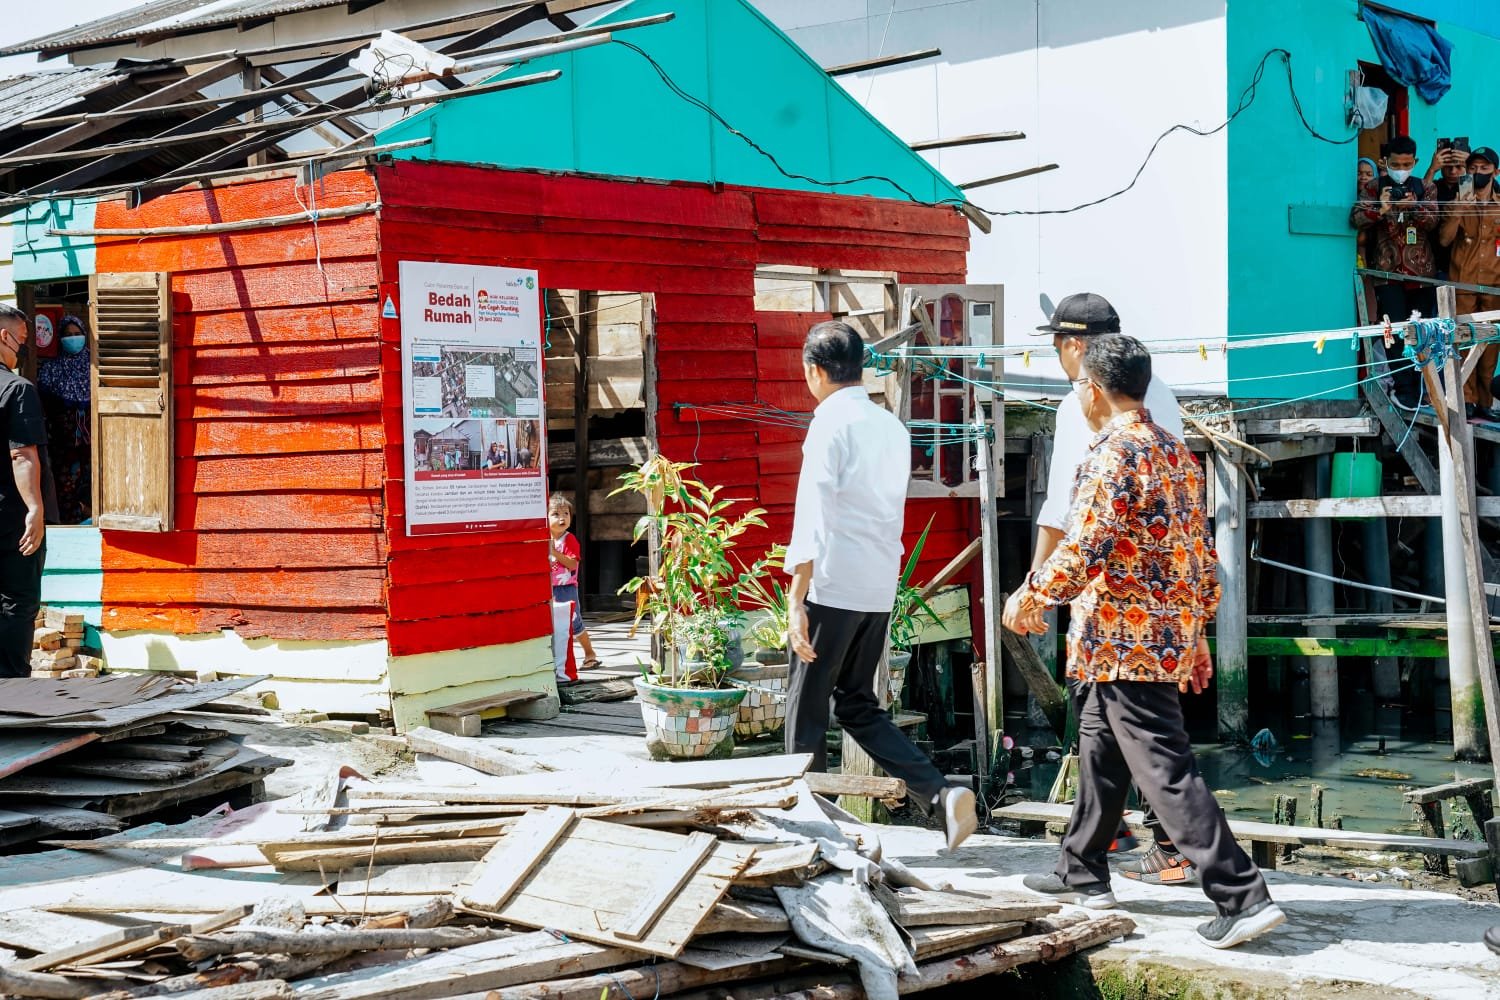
(568, 546)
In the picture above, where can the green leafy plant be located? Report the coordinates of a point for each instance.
(910, 612)
(695, 589)
(760, 590)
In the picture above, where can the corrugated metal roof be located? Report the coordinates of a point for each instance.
(173, 16)
(36, 94)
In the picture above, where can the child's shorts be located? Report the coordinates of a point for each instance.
(569, 592)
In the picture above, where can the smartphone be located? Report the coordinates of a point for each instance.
(1461, 141)
(1443, 144)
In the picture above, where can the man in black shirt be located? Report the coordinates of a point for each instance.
(22, 519)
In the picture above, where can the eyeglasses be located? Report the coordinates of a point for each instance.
(1079, 383)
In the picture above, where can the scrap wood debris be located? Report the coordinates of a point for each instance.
(576, 879)
(80, 755)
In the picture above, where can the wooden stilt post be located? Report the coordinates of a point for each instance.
(1377, 546)
(993, 706)
(1231, 625)
(1471, 658)
(1319, 536)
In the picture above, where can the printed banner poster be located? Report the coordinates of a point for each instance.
(471, 345)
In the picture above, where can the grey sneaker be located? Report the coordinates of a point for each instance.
(1236, 929)
(1492, 939)
(955, 805)
(1095, 895)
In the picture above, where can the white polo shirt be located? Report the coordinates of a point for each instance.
(851, 503)
(1070, 445)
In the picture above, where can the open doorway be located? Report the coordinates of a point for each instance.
(600, 399)
(57, 362)
(1371, 140)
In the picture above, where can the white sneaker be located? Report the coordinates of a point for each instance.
(956, 806)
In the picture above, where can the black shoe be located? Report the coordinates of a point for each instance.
(1477, 414)
(1228, 931)
(1095, 895)
(1405, 400)
(1492, 939)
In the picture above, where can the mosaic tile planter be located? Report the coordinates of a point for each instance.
(689, 722)
(764, 709)
(896, 665)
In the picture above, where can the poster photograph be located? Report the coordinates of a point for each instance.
(471, 341)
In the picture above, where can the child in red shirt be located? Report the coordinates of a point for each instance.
(565, 557)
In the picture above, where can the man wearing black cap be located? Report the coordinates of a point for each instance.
(1471, 231)
(1445, 174)
(1078, 320)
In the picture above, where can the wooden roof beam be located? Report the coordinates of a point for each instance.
(881, 62)
(967, 140)
(1014, 175)
(275, 76)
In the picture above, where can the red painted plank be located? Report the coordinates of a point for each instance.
(786, 330)
(293, 324)
(312, 625)
(779, 364)
(707, 362)
(779, 458)
(521, 560)
(687, 336)
(338, 470)
(187, 550)
(277, 512)
(473, 235)
(286, 588)
(834, 236)
(956, 277)
(280, 399)
(728, 390)
(349, 359)
(792, 396)
(275, 285)
(686, 278)
(709, 447)
(225, 437)
(797, 208)
(779, 435)
(679, 307)
(593, 226)
(471, 596)
(823, 255)
(470, 631)
(401, 543)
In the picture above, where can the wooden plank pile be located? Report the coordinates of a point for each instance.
(57, 646)
(81, 755)
(524, 877)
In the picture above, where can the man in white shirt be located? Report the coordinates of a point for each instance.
(844, 560)
(1077, 320)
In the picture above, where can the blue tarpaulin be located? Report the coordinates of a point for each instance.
(1412, 52)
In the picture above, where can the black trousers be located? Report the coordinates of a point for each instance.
(849, 645)
(1148, 815)
(1395, 300)
(20, 597)
(1135, 728)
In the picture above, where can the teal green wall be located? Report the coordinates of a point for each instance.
(73, 577)
(1291, 251)
(611, 114)
(39, 257)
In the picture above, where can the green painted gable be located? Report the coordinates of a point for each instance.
(611, 113)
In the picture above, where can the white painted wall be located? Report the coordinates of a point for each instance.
(1091, 83)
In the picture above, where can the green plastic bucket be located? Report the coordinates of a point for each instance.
(1355, 474)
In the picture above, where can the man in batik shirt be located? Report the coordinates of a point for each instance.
(1138, 566)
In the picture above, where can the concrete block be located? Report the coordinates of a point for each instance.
(1475, 872)
(456, 725)
(542, 709)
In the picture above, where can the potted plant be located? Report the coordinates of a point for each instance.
(763, 712)
(686, 702)
(910, 614)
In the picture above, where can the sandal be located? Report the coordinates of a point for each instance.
(592, 663)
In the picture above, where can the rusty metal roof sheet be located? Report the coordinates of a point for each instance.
(45, 91)
(163, 17)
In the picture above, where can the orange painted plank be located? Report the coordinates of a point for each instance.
(357, 431)
(280, 399)
(293, 324)
(284, 588)
(349, 359)
(470, 631)
(335, 239)
(335, 470)
(275, 285)
(278, 511)
(254, 623)
(186, 550)
(237, 200)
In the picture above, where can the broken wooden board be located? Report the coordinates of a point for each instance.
(745, 916)
(934, 942)
(176, 701)
(512, 961)
(221, 756)
(866, 785)
(466, 718)
(45, 701)
(480, 754)
(782, 864)
(931, 907)
(421, 879)
(592, 881)
(19, 749)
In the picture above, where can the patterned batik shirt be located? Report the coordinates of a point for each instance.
(1137, 561)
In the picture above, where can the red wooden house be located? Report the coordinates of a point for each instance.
(285, 548)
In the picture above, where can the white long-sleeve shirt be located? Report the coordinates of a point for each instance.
(1070, 445)
(851, 503)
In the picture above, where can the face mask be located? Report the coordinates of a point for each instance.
(73, 343)
(1399, 176)
(1482, 181)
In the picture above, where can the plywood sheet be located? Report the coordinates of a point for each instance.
(592, 882)
(45, 699)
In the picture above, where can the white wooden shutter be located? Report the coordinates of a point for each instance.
(132, 401)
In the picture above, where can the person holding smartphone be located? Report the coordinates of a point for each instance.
(1471, 232)
(1401, 212)
(1446, 175)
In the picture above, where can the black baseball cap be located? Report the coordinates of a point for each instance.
(1485, 153)
(1082, 314)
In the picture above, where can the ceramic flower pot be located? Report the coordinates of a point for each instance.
(694, 723)
(896, 664)
(770, 657)
(763, 711)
